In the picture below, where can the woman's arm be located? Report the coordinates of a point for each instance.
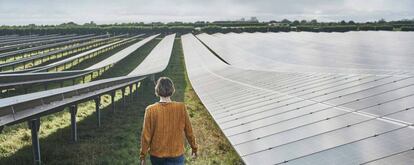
(189, 132)
(146, 134)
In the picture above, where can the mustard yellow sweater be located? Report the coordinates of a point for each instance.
(165, 125)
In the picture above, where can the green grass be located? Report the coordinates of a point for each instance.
(117, 141)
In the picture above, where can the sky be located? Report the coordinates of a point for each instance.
(21, 12)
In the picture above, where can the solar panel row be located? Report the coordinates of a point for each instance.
(13, 80)
(20, 108)
(56, 53)
(349, 53)
(30, 107)
(31, 39)
(54, 43)
(273, 117)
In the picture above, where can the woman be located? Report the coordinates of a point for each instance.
(165, 124)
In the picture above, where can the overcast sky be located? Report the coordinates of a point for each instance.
(18, 12)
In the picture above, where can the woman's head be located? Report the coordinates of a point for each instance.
(164, 87)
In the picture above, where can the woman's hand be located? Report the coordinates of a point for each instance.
(143, 162)
(194, 154)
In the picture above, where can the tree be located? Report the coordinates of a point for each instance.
(69, 24)
(285, 21)
(342, 22)
(351, 22)
(90, 24)
(303, 22)
(296, 22)
(382, 20)
(314, 21)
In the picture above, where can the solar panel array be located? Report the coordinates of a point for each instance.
(350, 53)
(38, 49)
(20, 108)
(16, 80)
(30, 107)
(304, 116)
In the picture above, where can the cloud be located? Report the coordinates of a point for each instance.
(109, 11)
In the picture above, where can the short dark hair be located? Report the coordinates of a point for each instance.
(164, 87)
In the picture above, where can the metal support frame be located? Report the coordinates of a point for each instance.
(73, 110)
(34, 125)
(152, 78)
(123, 90)
(113, 100)
(98, 110)
(136, 89)
(130, 95)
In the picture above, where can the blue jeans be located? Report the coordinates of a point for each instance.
(167, 161)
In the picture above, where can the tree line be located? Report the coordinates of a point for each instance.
(210, 27)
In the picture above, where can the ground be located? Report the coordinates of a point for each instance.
(117, 140)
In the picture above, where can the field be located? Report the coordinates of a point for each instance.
(117, 141)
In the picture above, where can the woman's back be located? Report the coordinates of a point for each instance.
(167, 122)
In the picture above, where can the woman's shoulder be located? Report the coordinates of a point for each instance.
(152, 106)
(158, 104)
(178, 102)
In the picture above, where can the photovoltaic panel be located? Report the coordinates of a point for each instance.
(288, 110)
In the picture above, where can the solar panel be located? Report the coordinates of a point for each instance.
(30, 78)
(272, 115)
(121, 54)
(30, 105)
(67, 40)
(159, 55)
(403, 158)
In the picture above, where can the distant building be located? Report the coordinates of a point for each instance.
(253, 19)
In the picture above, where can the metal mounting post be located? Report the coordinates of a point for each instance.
(113, 100)
(123, 98)
(136, 89)
(73, 110)
(34, 125)
(152, 78)
(98, 110)
(130, 95)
